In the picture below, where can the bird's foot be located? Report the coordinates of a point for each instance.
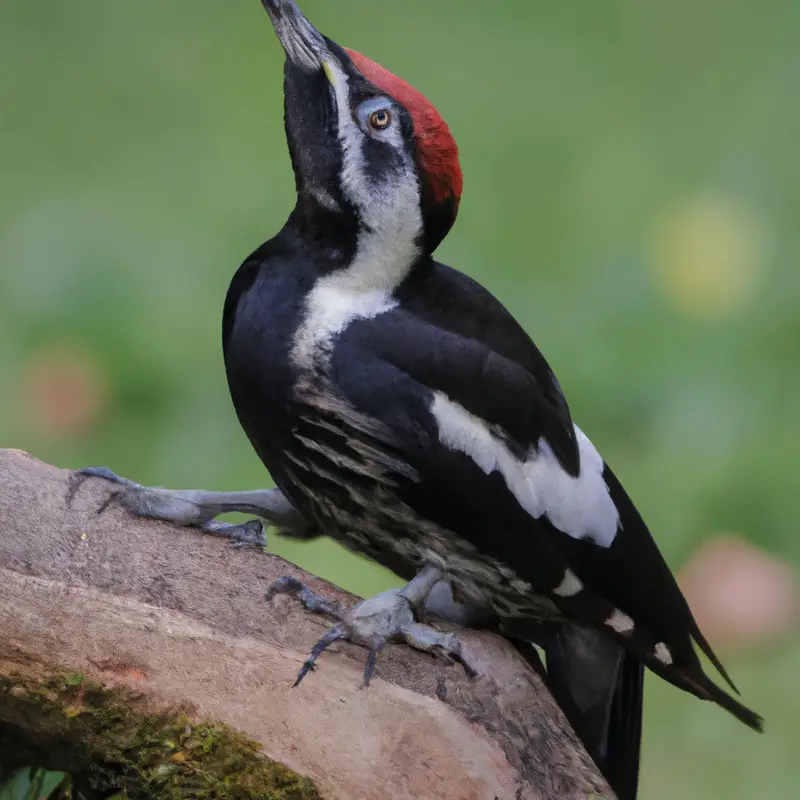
(372, 623)
(242, 536)
(198, 509)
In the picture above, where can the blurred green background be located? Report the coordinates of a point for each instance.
(632, 194)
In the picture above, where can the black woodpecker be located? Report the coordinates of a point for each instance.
(403, 411)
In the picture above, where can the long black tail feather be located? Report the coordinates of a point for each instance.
(702, 686)
(599, 688)
(703, 644)
(621, 768)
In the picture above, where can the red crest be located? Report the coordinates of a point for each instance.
(436, 147)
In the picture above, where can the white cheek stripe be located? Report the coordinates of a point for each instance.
(580, 507)
(389, 209)
(386, 249)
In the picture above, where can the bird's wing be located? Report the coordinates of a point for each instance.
(446, 302)
(492, 455)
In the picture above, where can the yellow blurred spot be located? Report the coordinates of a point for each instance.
(708, 256)
(84, 537)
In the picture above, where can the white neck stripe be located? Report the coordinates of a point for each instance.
(386, 250)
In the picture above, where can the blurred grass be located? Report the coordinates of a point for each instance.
(39, 784)
(34, 785)
(143, 158)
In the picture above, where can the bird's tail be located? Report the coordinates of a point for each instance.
(599, 687)
(621, 767)
(699, 684)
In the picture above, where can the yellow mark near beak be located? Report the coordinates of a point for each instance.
(330, 73)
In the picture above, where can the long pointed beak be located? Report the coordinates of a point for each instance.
(305, 46)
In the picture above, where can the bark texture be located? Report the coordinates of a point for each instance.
(171, 627)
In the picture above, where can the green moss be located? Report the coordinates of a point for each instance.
(68, 722)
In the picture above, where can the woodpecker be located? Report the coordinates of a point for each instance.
(403, 411)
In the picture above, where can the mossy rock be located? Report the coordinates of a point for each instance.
(67, 722)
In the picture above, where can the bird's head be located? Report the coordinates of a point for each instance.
(364, 142)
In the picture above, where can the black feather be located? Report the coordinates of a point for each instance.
(621, 767)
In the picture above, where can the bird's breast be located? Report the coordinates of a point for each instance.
(341, 466)
(263, 315)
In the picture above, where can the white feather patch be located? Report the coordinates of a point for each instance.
(620, 622)
(580, 507)
(330, 307)
(663, 653)
(569, 586)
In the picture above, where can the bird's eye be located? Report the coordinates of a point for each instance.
(380, 120)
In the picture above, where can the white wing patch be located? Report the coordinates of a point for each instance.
(580, 507)
(570, 585)
(621, 623)
(663, 654)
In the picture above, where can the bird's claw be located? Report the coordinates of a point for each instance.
(128, 494)
(312, 601)
(244, 536)
(165, 505)
(372, 623)
(79, 476)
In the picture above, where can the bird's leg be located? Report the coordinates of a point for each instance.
(197, 508)
(387, 617)
(440, 604)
